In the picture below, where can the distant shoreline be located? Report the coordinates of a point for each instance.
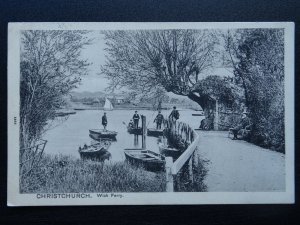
(124, 108)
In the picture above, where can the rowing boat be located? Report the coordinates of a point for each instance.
(132, 130)
(168, 151)
(149, 160)
(61, 114)
(98, 134)
(155, 132)
(96, 151)
(197, 114)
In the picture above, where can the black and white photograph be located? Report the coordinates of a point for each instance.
(150, 113)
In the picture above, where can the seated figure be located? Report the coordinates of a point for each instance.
(131, 124)
(243, 127)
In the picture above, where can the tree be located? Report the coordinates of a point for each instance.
(50, 67)
(156, 97)
(257, 56)
(175, 60)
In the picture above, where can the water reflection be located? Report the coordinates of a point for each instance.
(135, 140)
(68, 136)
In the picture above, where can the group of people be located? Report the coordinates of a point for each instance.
(174, 115)
(244, 123)
(134, 122)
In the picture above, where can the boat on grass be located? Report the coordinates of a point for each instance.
(155, 132)
(97, 151)
(98, 134)
(151, 161)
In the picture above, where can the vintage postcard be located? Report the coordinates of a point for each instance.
(150, 113)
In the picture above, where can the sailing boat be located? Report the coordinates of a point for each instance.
(108, 106)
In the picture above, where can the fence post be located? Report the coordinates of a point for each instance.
(217, 116)
(191, 176)
(196, 157)
(169, 176)
(144, 129)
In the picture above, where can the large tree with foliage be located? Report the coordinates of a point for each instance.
(257, 56)
(50, 67)
(175, 60)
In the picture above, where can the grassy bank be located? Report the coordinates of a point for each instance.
(61, 174)
(182, 182)
(67, 174)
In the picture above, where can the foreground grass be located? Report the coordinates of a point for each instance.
(59, 174)
(183, 183)
(66, 174)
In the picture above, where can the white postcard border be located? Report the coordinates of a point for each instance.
(14, 198)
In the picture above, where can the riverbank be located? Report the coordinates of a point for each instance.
(65, 174)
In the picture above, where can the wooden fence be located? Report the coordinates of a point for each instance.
(30, 157)
(172, 168)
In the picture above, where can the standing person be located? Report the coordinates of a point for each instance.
(136, 118)
(174, 114)
(158, 119)
(104, 121)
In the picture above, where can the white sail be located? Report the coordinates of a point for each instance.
(108, 105)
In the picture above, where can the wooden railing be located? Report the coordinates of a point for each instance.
(172, 168)
(30, 157)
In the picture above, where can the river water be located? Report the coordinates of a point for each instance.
(74, 132)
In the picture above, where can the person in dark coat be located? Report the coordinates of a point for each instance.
(244, 123)
(174, 114)
(136, 118)
(104, 121)
(158, 119)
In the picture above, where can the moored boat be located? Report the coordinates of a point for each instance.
(149, 160)
(99, 134)
(132, 130)
(79, 109)
(155, 132)
(96, 151)
(61, 114)
(168, 151)
(197, 114)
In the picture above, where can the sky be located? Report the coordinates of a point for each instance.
(95, 53)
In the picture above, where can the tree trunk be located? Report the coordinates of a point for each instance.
(208, 106)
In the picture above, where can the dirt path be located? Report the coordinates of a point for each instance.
(239, 165)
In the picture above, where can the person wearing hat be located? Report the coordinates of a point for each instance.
(136, 118)
(158, 119)
(131, 123)
(244, 123)
(104, 121)
(174, 114)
